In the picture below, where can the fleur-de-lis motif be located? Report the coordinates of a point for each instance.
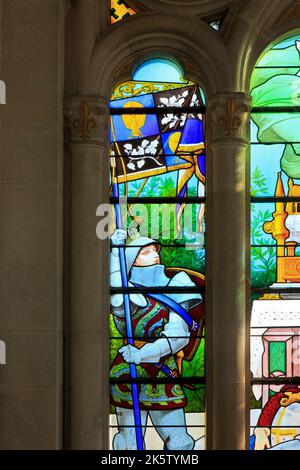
(85, 124)
(232, 123)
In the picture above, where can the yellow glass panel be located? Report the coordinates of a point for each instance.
(120, 10)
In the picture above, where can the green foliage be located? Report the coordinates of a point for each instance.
(263, 267)
(195, 368)
(258, 219)
(156, 186)
(167, 187)
(150, 189)
(115, 344)
(184, 258)
(263, 259)
(195, 399)
(255, 404)
(161, 222)
(192, 191)
(134, 187)
(258, 183)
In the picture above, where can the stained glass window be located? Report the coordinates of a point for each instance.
(157, 375)
(120, 9)
(275, 248)
(2, 92)
(216, 24)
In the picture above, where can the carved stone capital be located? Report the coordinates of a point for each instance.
(87, 120)
(228, 116)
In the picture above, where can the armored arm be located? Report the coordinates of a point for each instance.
(175, 337)
(177, 331)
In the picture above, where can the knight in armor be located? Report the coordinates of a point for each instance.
(161, 337)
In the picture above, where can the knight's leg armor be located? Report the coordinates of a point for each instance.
(125, 439)
(175, 438)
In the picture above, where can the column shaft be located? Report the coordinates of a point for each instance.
(227, 248)
(89, 285)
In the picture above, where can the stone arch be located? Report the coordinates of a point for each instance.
(149, 33)
(195, 7)
(277, 32)
(248, 34)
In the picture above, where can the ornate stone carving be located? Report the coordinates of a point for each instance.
(85, 124)
(87, 120)
(228, 116)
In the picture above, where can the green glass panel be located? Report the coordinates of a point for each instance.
(290, 162)
(266, 162)
(280, 90)
(276, 62)
(277, 127)
(277, 360)
(169, 224)
(275, 165)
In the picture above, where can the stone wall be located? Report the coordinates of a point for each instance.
(31, 224)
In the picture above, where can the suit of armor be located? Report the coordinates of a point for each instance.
(160, 334)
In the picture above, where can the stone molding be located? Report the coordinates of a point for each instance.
(153, 34)
(248, 34)
(191, 7)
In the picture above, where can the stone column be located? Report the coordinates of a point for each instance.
(86, 26)
(227, 279)
(89, 283)
(86, 21)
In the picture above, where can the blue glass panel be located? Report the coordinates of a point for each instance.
(158, 70)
